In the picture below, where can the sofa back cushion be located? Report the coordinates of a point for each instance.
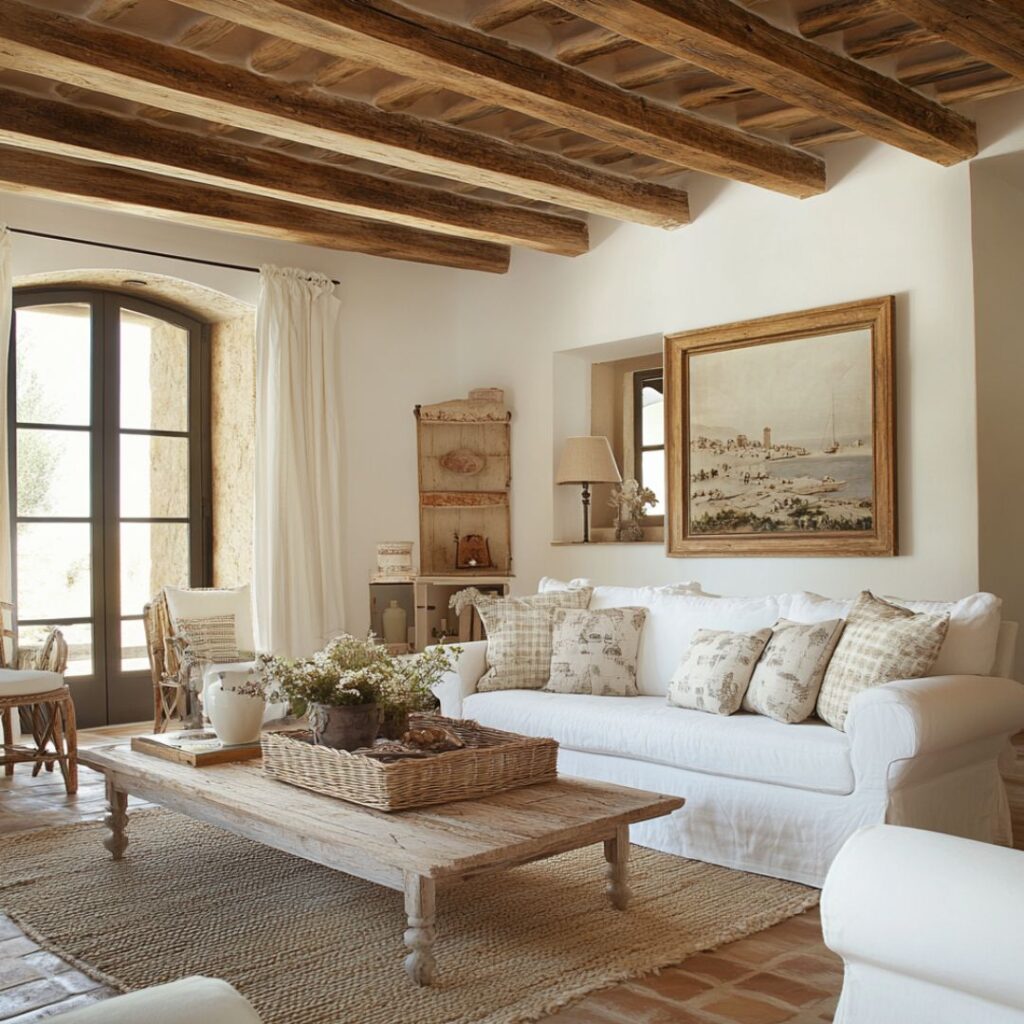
(674, 618)
(971, 641)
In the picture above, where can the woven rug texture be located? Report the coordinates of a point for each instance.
(308, 945)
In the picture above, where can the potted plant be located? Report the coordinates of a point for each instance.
(631, 502)
(353, 687)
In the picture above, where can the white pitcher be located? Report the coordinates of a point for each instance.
(236, 717)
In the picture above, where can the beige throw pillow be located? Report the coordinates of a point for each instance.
(595, 651)
(881, 642)
(519, 637)
(787, 679)
(715, 671)
(211, 638)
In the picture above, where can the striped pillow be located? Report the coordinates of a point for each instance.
(211, 639)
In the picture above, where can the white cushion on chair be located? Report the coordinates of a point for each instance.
(25, 683)
(205, 604)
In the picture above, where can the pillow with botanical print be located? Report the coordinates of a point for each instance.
(519, 636)
(595, 651)
(787, 679)
(881, 642)
(715, 671)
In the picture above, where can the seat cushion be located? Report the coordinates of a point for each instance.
(810, 755)
(25, 682)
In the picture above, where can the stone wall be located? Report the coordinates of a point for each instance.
(233, 418)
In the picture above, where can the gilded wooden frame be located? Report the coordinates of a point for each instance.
(877, 315)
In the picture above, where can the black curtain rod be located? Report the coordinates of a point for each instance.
(141, 252)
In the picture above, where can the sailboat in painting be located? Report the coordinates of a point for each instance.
(831, 447)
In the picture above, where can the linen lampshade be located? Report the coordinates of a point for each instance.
(587, 460)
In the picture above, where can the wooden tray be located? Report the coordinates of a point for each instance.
(490, 762)
(197, 747)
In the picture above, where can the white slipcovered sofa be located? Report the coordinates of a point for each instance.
(767, 797)
(928, 927)
(193, 1000)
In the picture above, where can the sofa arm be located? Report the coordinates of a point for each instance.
(914, 717)
(454, 686)
(928, 906)
(180, 1002)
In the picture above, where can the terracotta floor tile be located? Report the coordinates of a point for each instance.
(756, 950)
(715, 967)
(824, 971)
(637, 1007)
(786, 990)
(673, 984)
(737, 1009)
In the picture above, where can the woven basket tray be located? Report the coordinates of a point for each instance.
(491, 762)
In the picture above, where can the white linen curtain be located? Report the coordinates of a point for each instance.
(298, 555)
(6, 304)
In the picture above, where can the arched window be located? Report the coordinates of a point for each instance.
(108, 415)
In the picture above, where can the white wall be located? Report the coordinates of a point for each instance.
(891, 223)
(997, 189)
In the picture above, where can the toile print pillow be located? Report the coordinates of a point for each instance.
(518, 635)
(787, 679)
(881, 642)
(595, 651)
(715, 672)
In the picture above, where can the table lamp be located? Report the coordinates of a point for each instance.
(586, 461)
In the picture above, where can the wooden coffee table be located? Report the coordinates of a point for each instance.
(416, 852)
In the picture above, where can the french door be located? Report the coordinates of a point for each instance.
(108, 414)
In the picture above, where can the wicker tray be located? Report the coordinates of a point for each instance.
(491, 762)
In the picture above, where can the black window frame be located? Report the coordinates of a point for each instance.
(642, 379)
(110, 694)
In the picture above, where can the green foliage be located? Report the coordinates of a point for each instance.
(38, 456)
(350, 671)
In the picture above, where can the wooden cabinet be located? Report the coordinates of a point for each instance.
(463, 450)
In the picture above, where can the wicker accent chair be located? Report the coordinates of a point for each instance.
(37, 691)
(175, 671)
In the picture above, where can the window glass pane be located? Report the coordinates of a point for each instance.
(54, 571)
(53, 472)
(154, 373)
(79, 640)
(154, 476)
(654, 477)
(653, 415)
(53, 345)
(133, 646)
(153, 555)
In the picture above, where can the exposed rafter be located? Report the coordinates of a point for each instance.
(62, 130)
(989, 30)
(451, 56)
(72, 50)
(838, 15)
(735, 43)
(54, 177)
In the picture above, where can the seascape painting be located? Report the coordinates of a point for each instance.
(781, 435)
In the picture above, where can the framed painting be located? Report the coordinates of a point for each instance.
(780, 435)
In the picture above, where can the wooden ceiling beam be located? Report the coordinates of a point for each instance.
(584, 46)
(72, 50)
(992, 32)
(62, 130)
(468, 62)
(133, 192)
(837, 15)
(887, 40)
(724, 38)
(505, 12)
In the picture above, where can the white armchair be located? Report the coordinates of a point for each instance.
(188, 1001)
(929, 928)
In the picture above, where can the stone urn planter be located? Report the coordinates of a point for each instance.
(345, 728)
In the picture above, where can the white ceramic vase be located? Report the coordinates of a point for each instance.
(236, 717)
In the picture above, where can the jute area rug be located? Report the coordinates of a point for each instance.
(311, 946)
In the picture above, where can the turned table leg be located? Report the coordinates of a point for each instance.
(117, 821)
(419, 936)
(616, 852)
